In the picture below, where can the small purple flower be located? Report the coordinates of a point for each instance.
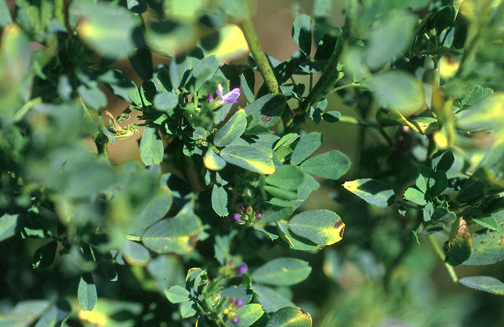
(239, 302)
(259, 215)
(210, 98)
(241, 269)
(235, 320)
(232, 299)
(237, 217)
(230, 97)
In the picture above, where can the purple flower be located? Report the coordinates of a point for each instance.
(241, 269)
(235, 320)
(230, 97)
(259, 215)
(237, 217)
(210, 98)
(239, 302)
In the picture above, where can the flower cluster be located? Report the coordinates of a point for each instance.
(247, 214)
(233, 305)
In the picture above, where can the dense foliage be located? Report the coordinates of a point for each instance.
(210, 227)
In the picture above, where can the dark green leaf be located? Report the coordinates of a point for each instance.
(282, 272)
(371, 191)
(265, 111)
(484, 283)
(151, 147)
(331, 116)
(301, 33)
(86, 292)
(305, 147)
(44, 256)
(248, 84)
(459, 244)
(332, 165)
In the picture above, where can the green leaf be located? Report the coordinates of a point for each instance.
(443, 160)
(331, 165)
(219, 200)
(86, 293)
(232, 130)
(371, 191)
(397, 90)
(415, 196)
(105, 27)
(286, 177)
(485, 115)
(151, 211)
(488, 247)
(173, 235)
(151, 147)
(177, 294)
(305, 147)
(170, 37)
(256, 158)
(282, 272)
(247, 79)
(24, 313)
(188, 309)
(389, 39)
(265, 111)
(203, 70)
(249, 314)
(113, 313)
(484, 283)
(270, 299)
(294, 241)
(56, 316)
(121, 86)
(135, 253)
(290, 317)
(474, 94)
(5, 17)
(280, 194)
(459, 244)
(213, 161)
(322, 227)
(166, 101)
(44, 256)
(8, 226)
(487, 222)
(301, 33)
(92, 97)
(331, 116)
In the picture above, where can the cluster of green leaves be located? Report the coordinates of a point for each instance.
(218, 192)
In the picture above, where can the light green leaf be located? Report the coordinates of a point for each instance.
(256, 158)
(332, 165)
(56, 316)
(371, 191)
(232, 130)
(322, 227)
(249, 314)
(487, 222)
(153, 210)
(8, 226)
(219, 200)
(151, 147)
(282, 272)
(294, 241)
(105, 27)
(290, 317)
(305, 147)
(484, 283)
(177, 294)
(213, 161)
(166, 101)
(398, 90)
(170, 37)
(135, 253)
(270, 299)
(286, 177)
(173, 235)
(86, 293)
(415, 196)
(485, 115)
(188, 309)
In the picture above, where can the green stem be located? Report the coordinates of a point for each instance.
(25, 108)
(360, 122)
(441, 255)
(260, 57)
